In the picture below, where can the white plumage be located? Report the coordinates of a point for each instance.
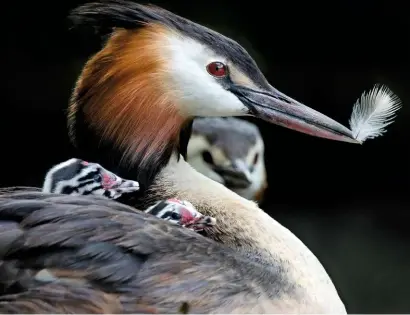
(373, 112)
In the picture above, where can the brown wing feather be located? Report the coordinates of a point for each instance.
(109, 250)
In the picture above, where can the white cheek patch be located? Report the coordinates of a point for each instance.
(200, 94)
(197, 144)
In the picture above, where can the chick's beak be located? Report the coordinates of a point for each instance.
(278, 108)
(201, 222)
(236, 175)
(125, 185)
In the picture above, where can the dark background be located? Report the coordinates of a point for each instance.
(348, 203)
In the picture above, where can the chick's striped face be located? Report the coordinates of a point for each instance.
(77, 177)
(181, 212)
(99, 181)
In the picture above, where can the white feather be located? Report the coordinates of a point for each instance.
(373, 112)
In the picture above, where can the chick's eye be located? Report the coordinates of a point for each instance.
(256, 159)
(175, 216)
(207, 157)
(97, 177)
(217, 69)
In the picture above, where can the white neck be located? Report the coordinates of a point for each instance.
(242, 225)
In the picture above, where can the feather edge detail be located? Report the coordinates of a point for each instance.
(373, 112)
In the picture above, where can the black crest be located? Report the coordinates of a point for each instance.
(104, 16)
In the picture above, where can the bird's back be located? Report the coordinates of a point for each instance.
(108, 258)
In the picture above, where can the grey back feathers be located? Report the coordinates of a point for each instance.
(99, 245)
(130, 15)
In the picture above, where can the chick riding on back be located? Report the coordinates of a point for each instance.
(77, 177)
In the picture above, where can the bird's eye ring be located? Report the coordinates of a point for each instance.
(217, 69)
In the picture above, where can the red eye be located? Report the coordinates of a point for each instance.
(217, 69)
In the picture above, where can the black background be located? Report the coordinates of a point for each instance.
(348, 203)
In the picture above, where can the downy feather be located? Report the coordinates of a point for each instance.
(373, 112)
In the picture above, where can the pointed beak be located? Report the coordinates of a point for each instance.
(236, 175)
(126, 186)
(278, 108)
(201, 222)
